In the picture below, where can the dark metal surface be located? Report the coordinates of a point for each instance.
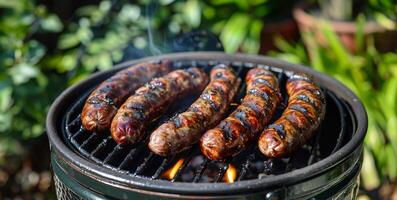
(344, 188)
(298, 179)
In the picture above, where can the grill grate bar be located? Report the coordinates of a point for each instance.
(161, 168)
(289, 166)
(75, 121)
(130, 156)
(77, 106)
(268, 166)
(88, 140)
(76, 134)
(101, 145)
(112, 154)
(184, 164)
(200, 171)
(246, 165)
(221, 172)
(145, 163)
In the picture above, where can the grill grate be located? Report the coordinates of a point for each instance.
(137, 160)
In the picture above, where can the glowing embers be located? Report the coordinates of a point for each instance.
(199, 169)
(230, 175)
(171, 172)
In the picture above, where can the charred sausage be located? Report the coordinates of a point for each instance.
(151, 100)
(234, 133)
(299, 121)
(184, 130)
(102, 104)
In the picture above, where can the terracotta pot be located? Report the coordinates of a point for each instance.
(385, 40)
(286, 28)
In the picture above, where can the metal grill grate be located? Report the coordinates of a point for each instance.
(250, 164)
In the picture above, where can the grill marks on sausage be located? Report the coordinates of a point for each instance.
(186, 128)
(235, 132)
(151, 100)
(299, 121)
(103, 102)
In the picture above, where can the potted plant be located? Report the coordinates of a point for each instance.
(250, 26)
(341, 16)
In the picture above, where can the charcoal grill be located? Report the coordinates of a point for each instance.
(91, 165)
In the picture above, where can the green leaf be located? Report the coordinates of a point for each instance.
(251, 43)
(360, 37)
(62, 63)
(390, 97)
(17, 5)
(336, 46)
(84, 33)
(5, 98)
(130, 13)
(234, 32)
(105, 6)
(369, 173)
(166, 2)
(78, 78)
(316, 60)
(192, 12)
(35, 52)
(22, 73)
(385, 21)
(105, 61)
(68, 40)
(117, 55)
(51, 23)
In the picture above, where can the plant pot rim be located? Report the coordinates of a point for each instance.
(303, 17)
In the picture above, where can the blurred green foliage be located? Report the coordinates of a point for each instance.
(25, 89)
(383, 12)
(239, 23)
(33, 72)
(373, 77)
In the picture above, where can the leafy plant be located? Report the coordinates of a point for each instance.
(239, 23)
(97, 39)
(373, 77)
(25, 92)
(383, 11)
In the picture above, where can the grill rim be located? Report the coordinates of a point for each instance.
(96, 171)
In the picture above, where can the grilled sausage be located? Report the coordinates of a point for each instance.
(151, 100)
(103, 102)
(234, 133)
(299, 121)
(184, 130)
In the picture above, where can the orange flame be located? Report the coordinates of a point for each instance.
(231, 174)
(171, 172)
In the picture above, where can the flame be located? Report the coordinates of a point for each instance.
(231, 174)
(171, 172)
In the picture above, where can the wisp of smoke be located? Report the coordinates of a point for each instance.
(150, 9)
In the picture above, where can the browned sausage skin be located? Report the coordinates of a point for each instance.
(103, 102)
(235, 132)
(151, 100)
(299, 121)
(184, 130)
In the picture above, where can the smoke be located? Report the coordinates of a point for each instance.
(162, 41)
(150, 10)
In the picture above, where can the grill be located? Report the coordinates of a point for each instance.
(93, 165)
